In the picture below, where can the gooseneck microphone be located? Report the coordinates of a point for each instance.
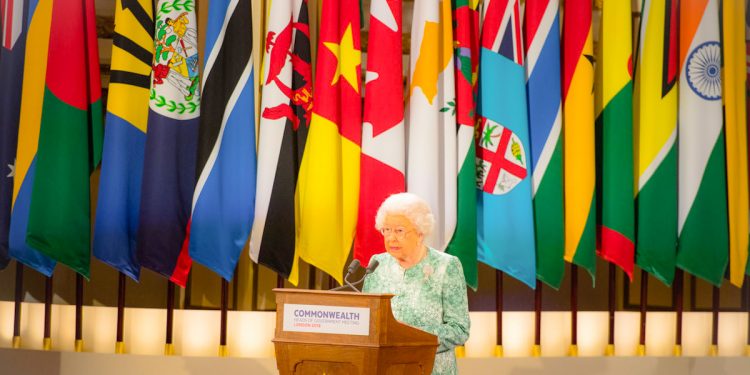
(353, 267)
(370, 269)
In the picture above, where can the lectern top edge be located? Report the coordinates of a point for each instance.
(318, 292)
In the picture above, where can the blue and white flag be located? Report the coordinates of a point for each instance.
(224, 198)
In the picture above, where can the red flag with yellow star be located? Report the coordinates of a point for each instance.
(328, 187)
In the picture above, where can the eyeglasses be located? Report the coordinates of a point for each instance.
(398, 232)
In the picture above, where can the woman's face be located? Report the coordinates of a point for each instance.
(402, 239)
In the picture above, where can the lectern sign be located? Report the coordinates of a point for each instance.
(327, 319)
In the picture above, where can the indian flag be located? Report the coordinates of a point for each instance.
(702, 209)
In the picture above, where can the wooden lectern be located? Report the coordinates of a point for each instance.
(324, 332)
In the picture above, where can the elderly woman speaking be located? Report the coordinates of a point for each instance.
(429, 286)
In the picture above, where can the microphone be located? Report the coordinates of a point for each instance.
(353, 267)
(370, 269)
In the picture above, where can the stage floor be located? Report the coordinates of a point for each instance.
(32, 362)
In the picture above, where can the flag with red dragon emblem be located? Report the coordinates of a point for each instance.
(286, 109)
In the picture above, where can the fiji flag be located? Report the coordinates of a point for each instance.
(171, 143)
(224, 198)
(13, 27)
(125, 137)
(505, 225)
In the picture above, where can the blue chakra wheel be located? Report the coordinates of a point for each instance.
(704, 70)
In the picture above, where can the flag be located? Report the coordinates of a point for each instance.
(125, 137)
(432, 138)
(67, 136)
(286, 109)
(382, 161)
(224, 197)
(505, 217)
(329, 175)
(703, 245)
(35, 71)
(655, 133)
(466, 58)
(614, 125)
(171, 143)
(735, 32)
(13, 26)
(579, 139)
(542, 48)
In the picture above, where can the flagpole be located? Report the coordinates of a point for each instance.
(279, 281)
(79, 313)
(610, 351)
(47, 342)
(714, 351)
(678, 305)
(573, 351)
(747, 307)
(17, 312)
(254, 287)
(537, 350)
(223, 328)
(119, 343)
(499, 312)
(169, 346)
(644, 303)
(311, 278)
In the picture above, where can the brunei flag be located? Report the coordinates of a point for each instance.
(286, 110)
(13, 26)
(505, 217)
(466, 62)
(614, 126)
(702, 201)
(579, 138)
(542, 47)
(125, 137)
(655, 136)
(735, 111)
(431, 147)
(171, 143)
(329, 176)
(382, 160)
(60, 137)
(224, 196)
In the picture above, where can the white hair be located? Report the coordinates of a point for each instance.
(414, 208)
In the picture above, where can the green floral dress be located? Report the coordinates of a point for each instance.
(431, 296)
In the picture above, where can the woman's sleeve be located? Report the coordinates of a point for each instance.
(455, 328)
